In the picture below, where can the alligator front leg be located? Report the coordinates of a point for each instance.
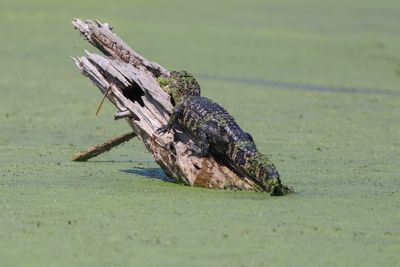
(176, 114)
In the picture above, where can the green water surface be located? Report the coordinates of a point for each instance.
(315, 82)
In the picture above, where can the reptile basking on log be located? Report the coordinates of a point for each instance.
(216, 132)
(207, 147)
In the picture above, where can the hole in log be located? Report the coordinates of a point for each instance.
(173, 102)
(172, 148)
(134, 93)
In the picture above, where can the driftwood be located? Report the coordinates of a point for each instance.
(96, 150)
(129, 81)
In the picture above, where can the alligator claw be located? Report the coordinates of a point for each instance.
(195, 150)
(162, 130)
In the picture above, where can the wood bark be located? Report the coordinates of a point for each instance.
(131, 84)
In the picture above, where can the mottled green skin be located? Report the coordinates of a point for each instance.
(217, 132)
(180, 85)
(260, 166)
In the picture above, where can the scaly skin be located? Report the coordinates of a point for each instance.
(217, 132)
(180, 85)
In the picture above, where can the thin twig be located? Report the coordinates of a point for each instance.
(102, 100)
(96, 150)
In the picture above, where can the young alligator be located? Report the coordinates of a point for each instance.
(216, 132)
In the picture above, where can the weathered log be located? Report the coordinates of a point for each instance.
(132, 86)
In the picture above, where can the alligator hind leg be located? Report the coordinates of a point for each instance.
(207, 134)
(215, 133)
(201, 148)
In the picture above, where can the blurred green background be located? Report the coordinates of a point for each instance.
(315, 82)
